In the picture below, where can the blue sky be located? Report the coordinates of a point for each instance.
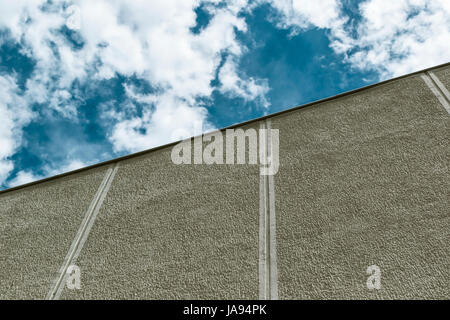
(83, 82)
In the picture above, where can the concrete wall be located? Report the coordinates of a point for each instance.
(37, 226)
(171, 231)
(363, 180)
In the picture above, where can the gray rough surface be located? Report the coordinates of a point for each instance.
(169, 231)
(37, 226)
(364, 180)
(444, 76)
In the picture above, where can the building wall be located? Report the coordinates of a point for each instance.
(363, 180)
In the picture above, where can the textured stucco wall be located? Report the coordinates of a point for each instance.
(37, 226)
(364, 179)
(171, 231)
(444, 76)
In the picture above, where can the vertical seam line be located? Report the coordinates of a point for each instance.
(268, 275)
(83, 232)
(438, 89)
(263, 253)
(267, 214)
(272, 222)
(439, 84)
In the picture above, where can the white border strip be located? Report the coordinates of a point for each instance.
(268, 271)
(438, 89)
(83, 232)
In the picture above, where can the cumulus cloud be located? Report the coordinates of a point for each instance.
(150, 40)
(23, 177)
(299, 15)
(398, 37)
(303, 14)
(235, 86)
(14, 114)
(169, 56)
(392, 37)
(69, 166)
(159, 126)
(26, 176)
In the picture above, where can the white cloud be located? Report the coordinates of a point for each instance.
(23, 177)
(69, 166)
(299, 15)
(6, 166)
(14, 114)
(249, 89)
(149, 39)
(392, 38)
(306, 13)
(398, 37)
(162, 125)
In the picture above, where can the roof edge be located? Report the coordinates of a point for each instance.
(140, 153)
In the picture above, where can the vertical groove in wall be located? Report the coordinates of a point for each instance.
(437, 88)
(272, 220)
(263, 254)
(83, 232)
(268, 282)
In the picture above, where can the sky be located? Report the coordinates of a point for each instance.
(85, 81)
